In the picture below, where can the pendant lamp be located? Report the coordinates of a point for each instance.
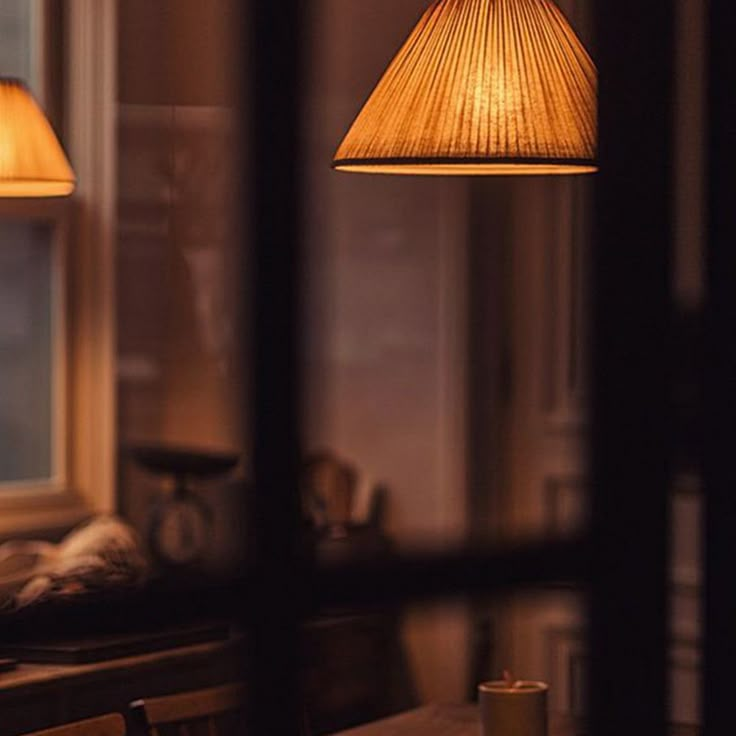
(481, 87)
(32, 162)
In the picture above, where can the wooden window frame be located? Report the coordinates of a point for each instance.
(84, 301)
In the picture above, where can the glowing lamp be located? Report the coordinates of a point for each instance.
(481, 87)
(32, 161)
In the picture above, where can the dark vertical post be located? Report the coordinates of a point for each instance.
(631, 422)
(488, 351)
(719, 468)
(272, 120)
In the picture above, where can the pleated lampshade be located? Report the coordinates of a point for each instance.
(481, 87)
(32, 162)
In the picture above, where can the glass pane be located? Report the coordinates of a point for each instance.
(446, 348)
(15, 31)
(20, 23)
(445, 320)
(177, 268)
(25, 352)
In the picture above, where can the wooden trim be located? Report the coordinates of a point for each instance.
(61, 441)
(631, 407)
(271, 48)
(690, 153)
(191, 705)
(91, 124)
(719, 367)
(40, 509)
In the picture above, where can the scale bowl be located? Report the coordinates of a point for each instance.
(183, 461)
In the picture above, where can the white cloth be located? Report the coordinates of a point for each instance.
(102, 553)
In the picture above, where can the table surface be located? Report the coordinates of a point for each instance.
(444, 720)
(36, 696)
(26, 677)
(462, 720)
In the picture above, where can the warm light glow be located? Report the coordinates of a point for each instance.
(481, 87)
(32, 162)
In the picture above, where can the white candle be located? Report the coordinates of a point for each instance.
(513, 708)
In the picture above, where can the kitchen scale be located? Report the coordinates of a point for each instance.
(180, 528)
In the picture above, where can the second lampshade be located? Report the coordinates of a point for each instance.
(32, 162)
(481, 87)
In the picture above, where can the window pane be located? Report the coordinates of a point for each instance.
(178, 274)
(25, 352)
(15, 31)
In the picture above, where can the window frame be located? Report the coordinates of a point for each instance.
(629, 407)
(83, 270)
(282, 591)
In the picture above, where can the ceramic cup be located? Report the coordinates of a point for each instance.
(518, 710)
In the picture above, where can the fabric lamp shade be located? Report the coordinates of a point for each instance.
(481, 87)
(32, 162)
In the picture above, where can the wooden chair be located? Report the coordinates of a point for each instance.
(110, 725)
(217, 711)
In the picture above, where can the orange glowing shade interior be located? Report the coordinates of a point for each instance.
(32, 162)
(481, 87)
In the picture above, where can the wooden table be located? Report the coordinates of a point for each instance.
(36, 696)
(442, 720)
(462, 720)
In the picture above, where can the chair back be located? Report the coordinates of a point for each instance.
(109, 725)
(216, 711)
